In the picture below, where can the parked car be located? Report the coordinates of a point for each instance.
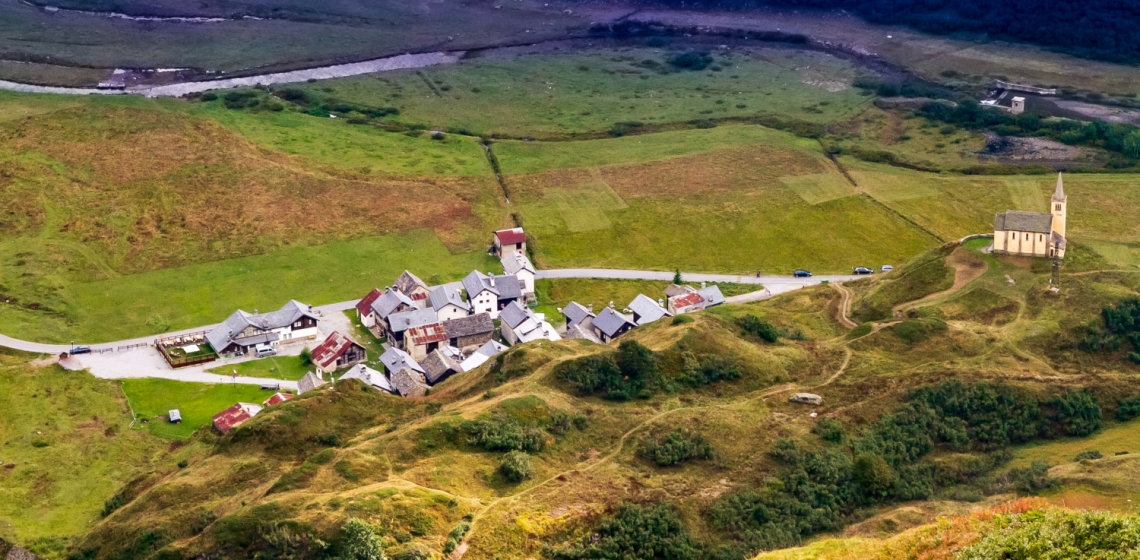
(887, 268)
(80, 350)
(801, 274)
(265, 350)
(863, 270)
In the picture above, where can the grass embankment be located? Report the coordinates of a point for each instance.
(594, 90)
(64, 449)
(554, 294)
(152, 399)
(922, 276)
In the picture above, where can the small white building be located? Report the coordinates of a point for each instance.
(518, 265)
(520, 325)
(448, 304)
(481, 293)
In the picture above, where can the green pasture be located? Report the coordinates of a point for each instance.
(152, 399)
(595, 89)
(272, 367)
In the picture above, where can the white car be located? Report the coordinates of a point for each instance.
(265, 350)
(887, 268)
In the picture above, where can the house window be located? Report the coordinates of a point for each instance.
(297, 324)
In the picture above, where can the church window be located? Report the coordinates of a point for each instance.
(1058, 207)
(1027, 237)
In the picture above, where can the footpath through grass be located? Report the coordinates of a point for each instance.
(152, 399)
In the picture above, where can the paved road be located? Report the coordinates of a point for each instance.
(687, 276)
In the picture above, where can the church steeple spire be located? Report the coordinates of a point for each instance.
(1059, 194)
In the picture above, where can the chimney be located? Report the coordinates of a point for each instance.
(702, 285)
(492, 280)
(611, 304)
(560, 310)
(591, 308)
(660, 302)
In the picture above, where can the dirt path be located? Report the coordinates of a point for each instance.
(967, 268)
(844, 315)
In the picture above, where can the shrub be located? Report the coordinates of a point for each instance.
(306, 356)
(829, 429)
(515, 466)
(294, 95)
(861, 330)
(620, 376)
(1091, 454)
(754, 326)
(636, 533)
(692, 60)
(1057, 534)
(682, 319)
(917, 330)
(359, 541)
(1128, 409)
(676, 447)
(873, 473)
(560, 422)
(503, 433)
(1079, 414)
(209, 96)
(183, 464)
(1032, 479)
(330, 439)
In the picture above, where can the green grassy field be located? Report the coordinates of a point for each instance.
(593, 89)
(65, 448)
(273, 367)
(198, 402)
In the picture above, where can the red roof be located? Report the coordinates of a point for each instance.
(511, 236)
(231, 418)
(365, 305)
(277, 398)
(426, 334)
(332, 348)
(686, 300)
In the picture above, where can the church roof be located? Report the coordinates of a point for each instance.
(1014, 220)
(1059, 194)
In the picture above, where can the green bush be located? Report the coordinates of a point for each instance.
(628, 373)
(1128, 409)
(515, 466)
(682, 319)
(1091, 454)
(636, 533)
(692, 60)
(754, 326)
(676, 447)
(359, 541)
(1079, 414)
(697, 371)
(503, 433)
(873, 473)
(559, 422)
(1058, 535)
(306, 356)
(829, 429)
(861, 330)
(1032, 479)
(917, 330)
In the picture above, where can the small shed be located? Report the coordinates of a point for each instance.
(174, 416)
(806, 398)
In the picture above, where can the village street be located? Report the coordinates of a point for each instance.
(135, 357)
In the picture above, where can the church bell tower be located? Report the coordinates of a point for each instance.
(1058, 206)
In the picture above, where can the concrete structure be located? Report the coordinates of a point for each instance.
(508, 241)
(337, 352)
(364, 307)
(609, 324)
(242, 331)
(424, 339)
(689, 299)
(1034, 234)
(409, 383)
(575, 315)
(384, 305)
(399, 323)
(277, 398)
(1017, 105)
(441, 364)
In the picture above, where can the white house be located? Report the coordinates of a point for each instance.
(481, 293)
(518, 265)
(520, 325)
(242, 331)
(448, 304)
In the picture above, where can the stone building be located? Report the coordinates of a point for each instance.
(1033, 234)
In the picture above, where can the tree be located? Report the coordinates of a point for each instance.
(677, 277)
(1079, 414)
(636, 362)
(873, 472)
(516, 466)
(306, 356)
(359, 541)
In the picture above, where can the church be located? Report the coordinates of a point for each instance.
(1033, 234)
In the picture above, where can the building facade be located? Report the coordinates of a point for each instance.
(1034, 234)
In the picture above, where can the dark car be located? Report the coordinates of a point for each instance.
(863, 270)
(801, 274)
(81, 350)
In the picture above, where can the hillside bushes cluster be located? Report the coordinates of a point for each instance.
(678, 446)
(1057, 535)
(819, 489)
(635, 533)
(634, 371)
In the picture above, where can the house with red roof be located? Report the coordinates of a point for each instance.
(364, 307)
(423, 340)
(277, 398)
(338, 352)
(235, 416)
(507, 241)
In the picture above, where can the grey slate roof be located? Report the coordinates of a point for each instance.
(308, 383)
(610, 322)
(395, 359)
(508, 287)
(222, 335)
(409, 383)
(1014, 220)
(470, 325)
(513, 315)
(476, 282)
(515, 261)
(389, 301)
(442, 296)
(369, 376)
(491, 348)
(582, 332)
(1059, 194)
(408, 282)
(646, 310)
(400, 322)
(712, 295)
(575, 313)
(440, 364)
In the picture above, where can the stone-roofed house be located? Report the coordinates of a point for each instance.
(424, 339)
(399, 323)
(645, 310)
(508, 241)
(712, 295)
(409, 383)
(234, 416)
(484, 353)
(581, 331)
(370, 378)
(441, 364)
(509, 290)
(519, 325)
(388, 303)
(1034, 234)
(576, 314)
(481, 293)
(448, 304)
(610, 324)
(469, 332)
(518, 265)
(242, 331)
(410, 285)
(395, 360)
(309, 382)
(337, 352)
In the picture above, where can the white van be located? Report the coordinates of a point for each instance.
(264, 350)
